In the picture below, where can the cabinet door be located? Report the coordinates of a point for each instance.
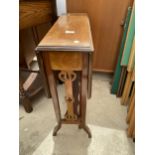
(106, 18)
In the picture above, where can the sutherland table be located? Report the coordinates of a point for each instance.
(66, 54)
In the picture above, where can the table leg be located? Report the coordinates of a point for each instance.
(76, 92)
(43, 75)
(90, 57)
(56, 129)
(53, 90)
(84, 95)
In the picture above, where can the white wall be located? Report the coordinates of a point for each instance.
(61, 7)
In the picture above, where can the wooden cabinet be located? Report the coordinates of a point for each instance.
(106, 18)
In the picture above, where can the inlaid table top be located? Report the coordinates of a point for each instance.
(71, 32)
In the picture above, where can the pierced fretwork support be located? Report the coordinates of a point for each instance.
(68, 77)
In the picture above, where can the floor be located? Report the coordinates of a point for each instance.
(105, 117)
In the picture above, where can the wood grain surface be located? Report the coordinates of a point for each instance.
(106, 18)
(66, 61)
(32, 13)
(67, 34)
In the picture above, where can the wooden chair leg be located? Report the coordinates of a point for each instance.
(27, 104)
(25, 100)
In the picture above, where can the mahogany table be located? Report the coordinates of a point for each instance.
(66, 53)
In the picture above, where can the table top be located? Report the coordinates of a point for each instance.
(71, 32)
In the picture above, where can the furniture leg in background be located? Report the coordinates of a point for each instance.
(24, 98)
